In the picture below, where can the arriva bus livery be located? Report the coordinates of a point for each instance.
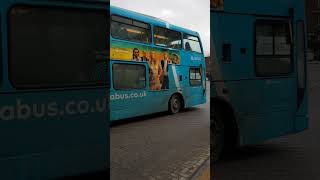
(53, 88)
(258, 78)
(154, 66)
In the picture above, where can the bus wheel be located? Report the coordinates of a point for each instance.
(175, 104)
(216, 136)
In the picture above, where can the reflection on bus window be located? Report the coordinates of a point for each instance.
(128, 76)
(131, 30)
(167, 38)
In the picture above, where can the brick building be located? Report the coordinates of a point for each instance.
(313, 26)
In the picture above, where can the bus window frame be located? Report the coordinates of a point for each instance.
(201, 48)
(9, 50)
(134, 64)
(166, 47)
(200, 72)
(286, 21)
(301, 90)
(150, 28)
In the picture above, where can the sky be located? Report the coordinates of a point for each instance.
(190, 14)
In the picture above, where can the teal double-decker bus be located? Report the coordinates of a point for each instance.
(258, 87)
(154, 66)
(53, 88)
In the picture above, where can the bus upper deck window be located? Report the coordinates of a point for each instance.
(167, 38)
(129, 29)
(191, 43)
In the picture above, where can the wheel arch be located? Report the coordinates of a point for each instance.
(180, 96)
(229, 120)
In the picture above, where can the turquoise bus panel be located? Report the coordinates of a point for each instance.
(267, 8)
(48, 133)
(154, 97)
(265, 106)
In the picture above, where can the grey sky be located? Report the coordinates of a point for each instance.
(190, 14)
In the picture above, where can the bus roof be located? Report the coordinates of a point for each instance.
(264, 7)
(150, 19)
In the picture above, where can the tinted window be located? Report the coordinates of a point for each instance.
(195, 77)
(128, 76)
(191, 43)
(273, 48)
(167, 38)
(57, 47)
(131, 30)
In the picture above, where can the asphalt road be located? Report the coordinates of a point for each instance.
(161, 146)
(293, 157)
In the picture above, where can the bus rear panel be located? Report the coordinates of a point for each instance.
(259, 67)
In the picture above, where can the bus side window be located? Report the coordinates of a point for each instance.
(130, 30)
(195, 77)
(273, 50)
(191, 43)
(167, 38)
(128, 76)
(59, 54)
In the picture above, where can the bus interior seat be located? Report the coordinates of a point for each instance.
(187, 46)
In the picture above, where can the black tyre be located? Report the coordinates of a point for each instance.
(216, 135)
(175, 104)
